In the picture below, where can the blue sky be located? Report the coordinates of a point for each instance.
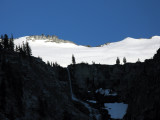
(86, 22)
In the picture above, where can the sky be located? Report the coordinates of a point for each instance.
(85, 22)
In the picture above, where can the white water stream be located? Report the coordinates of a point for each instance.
(93, 112)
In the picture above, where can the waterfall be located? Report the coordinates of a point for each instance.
(93, 112)
(70, 83)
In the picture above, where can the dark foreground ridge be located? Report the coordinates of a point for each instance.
(32, 90)
(137, 84)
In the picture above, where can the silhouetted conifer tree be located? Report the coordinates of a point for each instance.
(48, 63)
(24, 48)
(16, 49)
(117, 61)
(55, 64)
(73, 60)
(1, 37)
(5, 41)
(19, 47)
(1, 47)
(51, 64)
(2, 41)
(28, 49)
(124, 60)
(21, 52)
(11, 43)
(138, 60)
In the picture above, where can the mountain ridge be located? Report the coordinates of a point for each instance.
(52, 38)
(56, 39)
(60, 52)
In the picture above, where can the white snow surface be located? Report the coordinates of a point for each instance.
(61, 53)
(116, 110)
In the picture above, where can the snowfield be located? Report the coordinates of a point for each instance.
(61, 53)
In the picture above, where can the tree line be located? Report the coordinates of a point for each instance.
(117, 60)
(7, 43)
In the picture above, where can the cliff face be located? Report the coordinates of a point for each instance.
(31, 90)
(136, 84)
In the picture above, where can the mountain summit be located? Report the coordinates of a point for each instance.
(53, 49)
(52, 38)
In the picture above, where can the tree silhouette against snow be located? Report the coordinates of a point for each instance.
(124, 60)
(28, 49)
(5, 41)
(117, 61)
(11, 43)
(73, 60)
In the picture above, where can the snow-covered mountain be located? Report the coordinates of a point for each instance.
(61, 51)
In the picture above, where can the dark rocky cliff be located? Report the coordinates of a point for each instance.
(137, 84)
(31, 90)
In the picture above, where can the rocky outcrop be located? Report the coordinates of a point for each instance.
(52, 38)
(103, 45)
